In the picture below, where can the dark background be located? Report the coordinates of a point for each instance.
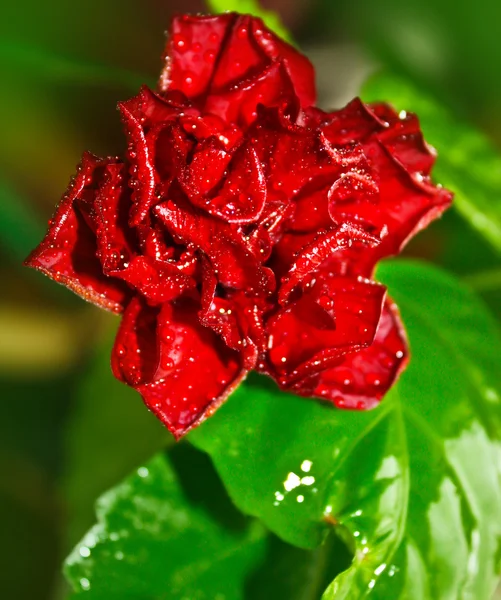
(67, 429)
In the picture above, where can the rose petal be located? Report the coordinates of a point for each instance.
(239, 103)
(336, 316)
(182, 369)
(241, 197)
(115, 240)
(153, 276)
(323, 247)
(68, 253)
(362, 378)
(208, 57)
(298, 66)
(351, 124)
(404, 140)
(405, 204)
(384, 184)
(157, 148)
(190, 37)
(230, 254)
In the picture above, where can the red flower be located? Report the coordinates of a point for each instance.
(242, 229)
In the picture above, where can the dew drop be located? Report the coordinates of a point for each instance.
(373, 379)
(180, 42)
(85, 583)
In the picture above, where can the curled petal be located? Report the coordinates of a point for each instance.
(157, 281)
(241, 197)
(200, 61)
(295, 157)
(157, 147)
(116, 244)
(406, 203)
(237, 318)
(361, 379)
(239, 103)
(323, 247)
(404, 140)
(353, 123)
(182, 369)
(298, 67)
(231, 256)
(202, 127)
(190, 37)
(336, 316)
(206, 169)
(385, 181)
(68, 253)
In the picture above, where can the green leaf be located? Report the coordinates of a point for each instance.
(168, 531)
(252, 7)
(414, 485)
(468, 163)
(296, 574)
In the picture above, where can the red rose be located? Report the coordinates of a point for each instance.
(242, 229)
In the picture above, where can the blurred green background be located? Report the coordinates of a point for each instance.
(67, 429)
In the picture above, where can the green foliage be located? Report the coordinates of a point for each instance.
(252, 7)
(414, 486)
(168, 531)
(410, 491)
(468, 163)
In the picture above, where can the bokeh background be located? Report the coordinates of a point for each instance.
(67, 429)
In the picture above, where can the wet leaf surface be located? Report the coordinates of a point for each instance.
(412, 483)
(168, 531)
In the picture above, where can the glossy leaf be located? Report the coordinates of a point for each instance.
(468, 163)
(252, 7)
(168, 531)
(413, 485)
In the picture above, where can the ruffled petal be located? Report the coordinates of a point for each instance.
(154, 276)
(69, 252)
(230, 255)
(157, 148)
(239, 103)
(241, 197)
(404, 140)
(323, 247)
(384, 184)
(363, 378)
(182, 369)
(193, 48)
(200, 62)
(335, 316)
